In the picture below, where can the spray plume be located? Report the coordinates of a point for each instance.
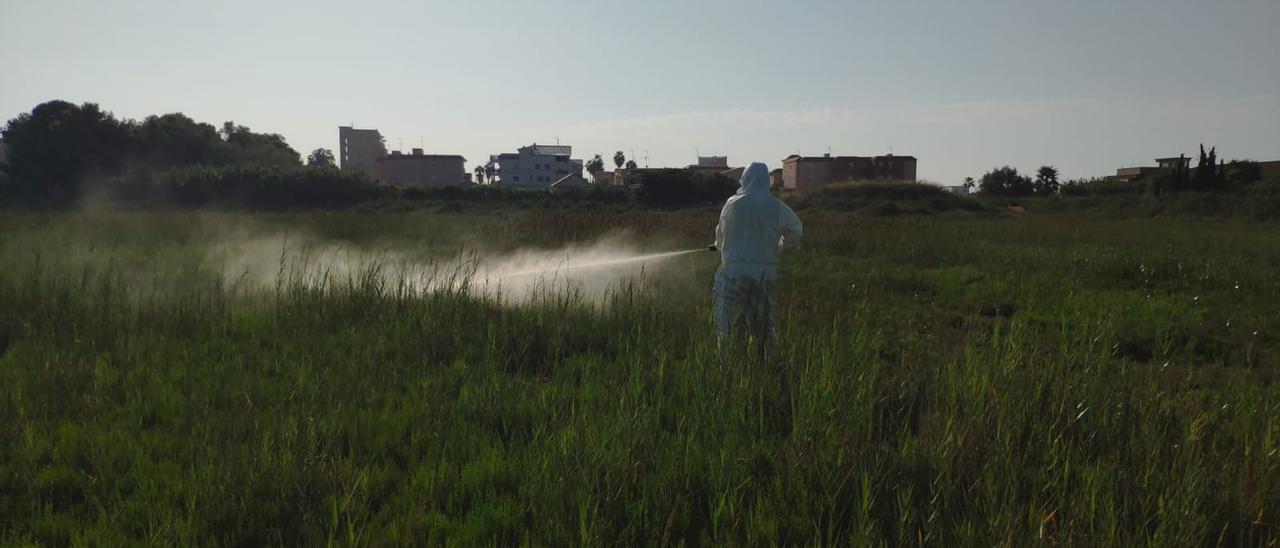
(591, 270)
(611, 263)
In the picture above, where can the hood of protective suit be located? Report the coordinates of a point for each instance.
(755, 180)
(754, 226)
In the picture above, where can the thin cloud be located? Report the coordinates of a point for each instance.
(954, 113)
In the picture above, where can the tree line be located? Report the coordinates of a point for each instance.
(62, 154)
(1209, 175)
(59, 151)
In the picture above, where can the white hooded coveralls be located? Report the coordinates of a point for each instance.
(754, 228)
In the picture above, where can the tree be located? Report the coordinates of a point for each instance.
(491, 172)
(256, 149)
(1005, 181)
(1046, 181)
(595, 166)
(479, 174)
(55, 147)
(1242, 173)
(1208, 176)
(631, 164)
(321, 157)
(968, 184)
(619, 159)
(175, 140)
(676, 187)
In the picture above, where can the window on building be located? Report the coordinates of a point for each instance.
(516, 179)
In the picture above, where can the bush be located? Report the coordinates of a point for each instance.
(498, 195)
(251, 187)
(1099, 186)
(675, 187)
(1006, 181)
(886, 199)
(1242, 173)
(1256, 203)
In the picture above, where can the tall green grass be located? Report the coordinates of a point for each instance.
(949, 381)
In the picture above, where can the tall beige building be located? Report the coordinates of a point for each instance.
(359, 149)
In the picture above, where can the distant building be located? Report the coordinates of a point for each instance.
(805, 172)
(359, 149)
(709, 164)
(897, 168)
(1183, 162)
(535, 166)
(636, 175)
(715, 164)
(801, 173)
(603, 178)
(1129, 174)
(571, 181)
(1269, 169)
(421, 170)
(957, 189)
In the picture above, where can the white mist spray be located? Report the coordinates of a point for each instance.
(591, 270)
(610, 263)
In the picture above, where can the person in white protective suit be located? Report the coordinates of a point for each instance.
(754, 229)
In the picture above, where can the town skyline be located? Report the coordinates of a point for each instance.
(1086, 87)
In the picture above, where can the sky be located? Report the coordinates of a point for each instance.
(1087, 86)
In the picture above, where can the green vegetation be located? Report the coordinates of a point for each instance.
(885, 199)
(678, 188)
(1259, 204)
(1006, 181)
(59, 148)
(957, 380)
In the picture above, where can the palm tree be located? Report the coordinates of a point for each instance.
(968, 185)
(479, 174)
(595, 166)
(491, 172)
(619, 159)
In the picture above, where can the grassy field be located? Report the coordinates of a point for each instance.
(949, 380)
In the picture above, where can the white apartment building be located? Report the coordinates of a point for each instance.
(535, 166)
